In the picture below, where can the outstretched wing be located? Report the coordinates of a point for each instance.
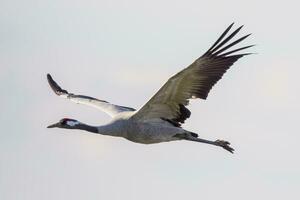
(195, 81)
(104, 106)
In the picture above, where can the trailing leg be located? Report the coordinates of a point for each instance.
(191, 137)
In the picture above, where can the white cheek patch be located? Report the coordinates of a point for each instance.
(72, 123)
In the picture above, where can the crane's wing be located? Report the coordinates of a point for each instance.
(195, 81)
(102, 105)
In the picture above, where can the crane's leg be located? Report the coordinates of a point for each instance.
(191, 137)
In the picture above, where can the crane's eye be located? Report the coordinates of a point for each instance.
(64, 121)
(68, 122)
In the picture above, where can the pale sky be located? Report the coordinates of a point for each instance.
(122, 52)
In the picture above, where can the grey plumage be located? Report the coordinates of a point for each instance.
(160, 119)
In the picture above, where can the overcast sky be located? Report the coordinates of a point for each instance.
(122, 52)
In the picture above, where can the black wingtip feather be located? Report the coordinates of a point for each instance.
(231, 44)
(225, 40)
(55, 87)
(219, 39)
(235, 50)
(218, 49)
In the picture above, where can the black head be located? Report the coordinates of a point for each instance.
(65, 123)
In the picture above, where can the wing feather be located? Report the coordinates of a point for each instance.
(102, 105)
(195, 81)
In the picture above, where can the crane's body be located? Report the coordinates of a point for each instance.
(160, 119)
(142, 132)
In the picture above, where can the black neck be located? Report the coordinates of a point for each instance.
(86, 127)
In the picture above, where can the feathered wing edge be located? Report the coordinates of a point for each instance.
(102, 105)
(213, 63)
(215, 50)
(218, 61)
(217, 53)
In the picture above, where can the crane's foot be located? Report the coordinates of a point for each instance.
(225, 145)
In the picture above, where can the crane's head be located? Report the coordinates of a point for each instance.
(66, 123)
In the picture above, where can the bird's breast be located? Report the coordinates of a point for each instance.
(147, 133)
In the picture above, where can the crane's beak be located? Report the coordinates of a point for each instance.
(53, 125)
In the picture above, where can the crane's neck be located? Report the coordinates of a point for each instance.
(86, 127)
(103, 130)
